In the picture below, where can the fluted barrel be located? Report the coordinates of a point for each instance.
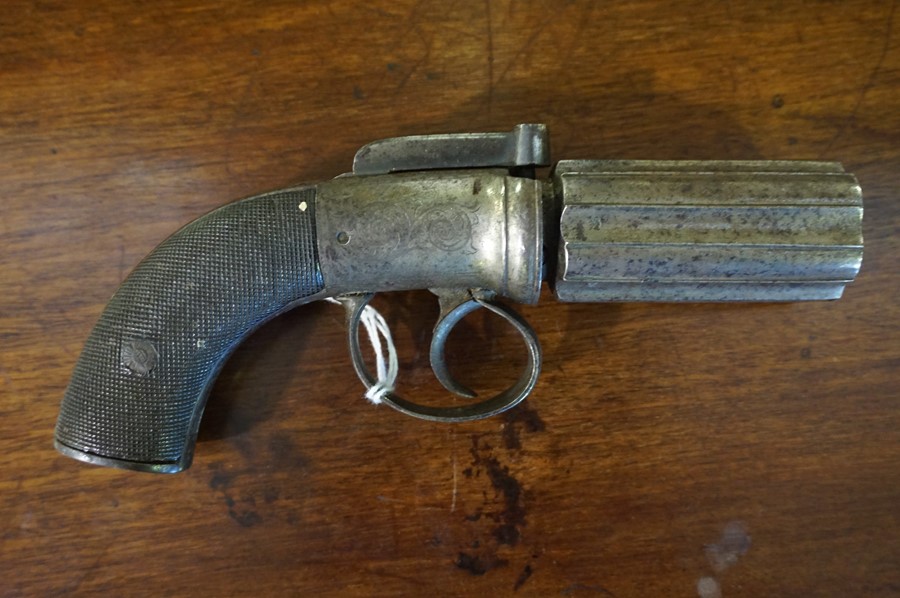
(706, 230)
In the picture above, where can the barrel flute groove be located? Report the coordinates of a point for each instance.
(706, 231)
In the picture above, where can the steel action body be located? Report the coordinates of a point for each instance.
(464, 216)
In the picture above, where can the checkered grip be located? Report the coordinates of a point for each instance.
(138, 390)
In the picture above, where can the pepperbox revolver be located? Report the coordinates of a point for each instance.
(465, 216)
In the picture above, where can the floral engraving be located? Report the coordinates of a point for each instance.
(447, 226)
(389, 227)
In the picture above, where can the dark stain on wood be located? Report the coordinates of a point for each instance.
(220, 480)
(245, 518)
(478, 564)
(523, 577)
(524, 418)
(512, 515)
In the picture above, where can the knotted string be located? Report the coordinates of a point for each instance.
(380, 337)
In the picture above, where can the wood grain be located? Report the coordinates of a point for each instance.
(668, 450)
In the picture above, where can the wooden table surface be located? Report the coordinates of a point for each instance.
(668, 450)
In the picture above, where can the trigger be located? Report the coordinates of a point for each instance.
(455, 305)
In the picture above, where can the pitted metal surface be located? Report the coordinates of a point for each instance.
(462, 229)
(706, 231)
(527, 145)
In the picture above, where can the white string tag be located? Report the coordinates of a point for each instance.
(386, 368)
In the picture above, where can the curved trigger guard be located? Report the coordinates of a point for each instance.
(454, 307)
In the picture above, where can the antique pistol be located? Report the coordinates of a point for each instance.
(466, 217)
